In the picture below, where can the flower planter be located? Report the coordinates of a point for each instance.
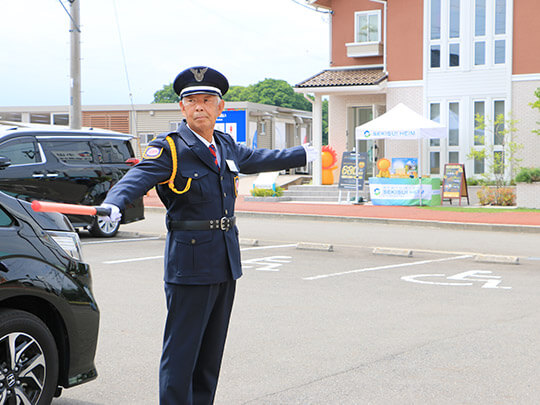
(528, 195)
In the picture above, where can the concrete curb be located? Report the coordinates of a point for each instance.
(389, 221)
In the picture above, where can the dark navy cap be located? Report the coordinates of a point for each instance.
(200, 80)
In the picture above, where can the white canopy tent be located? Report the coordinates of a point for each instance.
(400, 123)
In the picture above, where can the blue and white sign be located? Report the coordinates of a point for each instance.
(233, 122)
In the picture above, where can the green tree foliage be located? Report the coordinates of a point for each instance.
(166, 95)
(268, 91)
(501, 162)
(271, 92)
(536, 105)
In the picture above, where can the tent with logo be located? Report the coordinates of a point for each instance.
(401, 123)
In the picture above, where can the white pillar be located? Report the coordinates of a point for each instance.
(75, 111)
(317, 139)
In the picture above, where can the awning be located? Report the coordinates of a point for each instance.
(344, 77)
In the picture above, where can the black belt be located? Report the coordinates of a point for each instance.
(223, 224)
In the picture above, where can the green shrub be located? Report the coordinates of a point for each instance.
(528, 175)
(267, 192)
(504, 196)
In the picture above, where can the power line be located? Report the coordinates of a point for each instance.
(70, 17)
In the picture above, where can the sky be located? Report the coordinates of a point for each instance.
(246, 40)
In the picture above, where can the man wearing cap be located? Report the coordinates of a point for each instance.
(195, 171)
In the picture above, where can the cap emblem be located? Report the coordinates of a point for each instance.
(199, 73)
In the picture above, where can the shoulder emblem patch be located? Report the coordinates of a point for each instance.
(152, 152)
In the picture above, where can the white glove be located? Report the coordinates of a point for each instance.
(115, 214)
(311, 152)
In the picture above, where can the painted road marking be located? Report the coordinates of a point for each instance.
(391, 266)
(270, 263)
(96, 242)
(482, 276)
(140, 259)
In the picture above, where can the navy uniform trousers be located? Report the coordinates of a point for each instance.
(201, 266)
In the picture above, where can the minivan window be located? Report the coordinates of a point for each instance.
(21, 151)
(5, 219)
(70, 152)
(113, 150)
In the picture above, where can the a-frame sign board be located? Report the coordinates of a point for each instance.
(454, 182)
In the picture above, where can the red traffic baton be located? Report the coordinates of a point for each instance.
(45, 206)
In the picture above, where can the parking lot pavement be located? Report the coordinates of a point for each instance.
(330, 326)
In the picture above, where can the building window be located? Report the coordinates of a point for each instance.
(435, 56)
(454, 19)
(453, 125)
(453, 55)
(145, 138)
(435, 19)
(10, 116)
(500, 17)
(434, 162)
(367, 26)
(499, 51)
(453, 157)
(60, 119)
(40, 118)
(478, 119)
(435, 115)
(479, 166)
(498, 123)
(480, 18)
(479, 53)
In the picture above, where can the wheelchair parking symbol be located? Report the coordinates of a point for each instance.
(467, 278)
(269, 263)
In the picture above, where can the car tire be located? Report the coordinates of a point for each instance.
(34, 377)
(103, 228)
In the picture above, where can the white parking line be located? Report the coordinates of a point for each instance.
(140, 259)
(135, 259)
(391, 266)
(96, 242)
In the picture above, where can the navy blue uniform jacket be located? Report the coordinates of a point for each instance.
(210, 256)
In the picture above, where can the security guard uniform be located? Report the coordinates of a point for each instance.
(202, 254)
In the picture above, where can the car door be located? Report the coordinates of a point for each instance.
(72, 172)
(25, 176)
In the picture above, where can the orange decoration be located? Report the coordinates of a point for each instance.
(328, 161)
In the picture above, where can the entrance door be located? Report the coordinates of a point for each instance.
(357, 116)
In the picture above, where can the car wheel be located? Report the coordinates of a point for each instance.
(28, 359)
(104, 228)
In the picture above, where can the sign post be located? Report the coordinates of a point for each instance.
(352, 175)
(454, 182)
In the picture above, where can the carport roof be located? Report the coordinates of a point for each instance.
(344, 77)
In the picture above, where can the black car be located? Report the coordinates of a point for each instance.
(49, 318)
(68, 166)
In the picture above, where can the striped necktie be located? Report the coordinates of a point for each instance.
(214, 153)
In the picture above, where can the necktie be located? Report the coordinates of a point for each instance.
(214, 153)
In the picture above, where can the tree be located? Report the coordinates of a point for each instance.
(268, 91)
(536, 105)
(503, 161)
(166, 95)
(271, 92)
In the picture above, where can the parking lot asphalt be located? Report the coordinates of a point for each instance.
(507, 220)
(344, 325)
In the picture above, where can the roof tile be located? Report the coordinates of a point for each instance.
(344, 77)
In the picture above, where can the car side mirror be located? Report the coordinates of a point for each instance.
(4, 162)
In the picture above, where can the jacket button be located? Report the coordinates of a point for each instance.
(195, 174)
(224, 194)
(221, 178)
(193, 241)
(226, 212)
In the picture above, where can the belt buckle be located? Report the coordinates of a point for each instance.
(225, 224)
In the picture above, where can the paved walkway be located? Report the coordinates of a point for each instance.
(526, 221)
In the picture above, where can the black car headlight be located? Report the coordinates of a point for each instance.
(69, 242)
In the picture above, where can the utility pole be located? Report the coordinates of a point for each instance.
(75, 112)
